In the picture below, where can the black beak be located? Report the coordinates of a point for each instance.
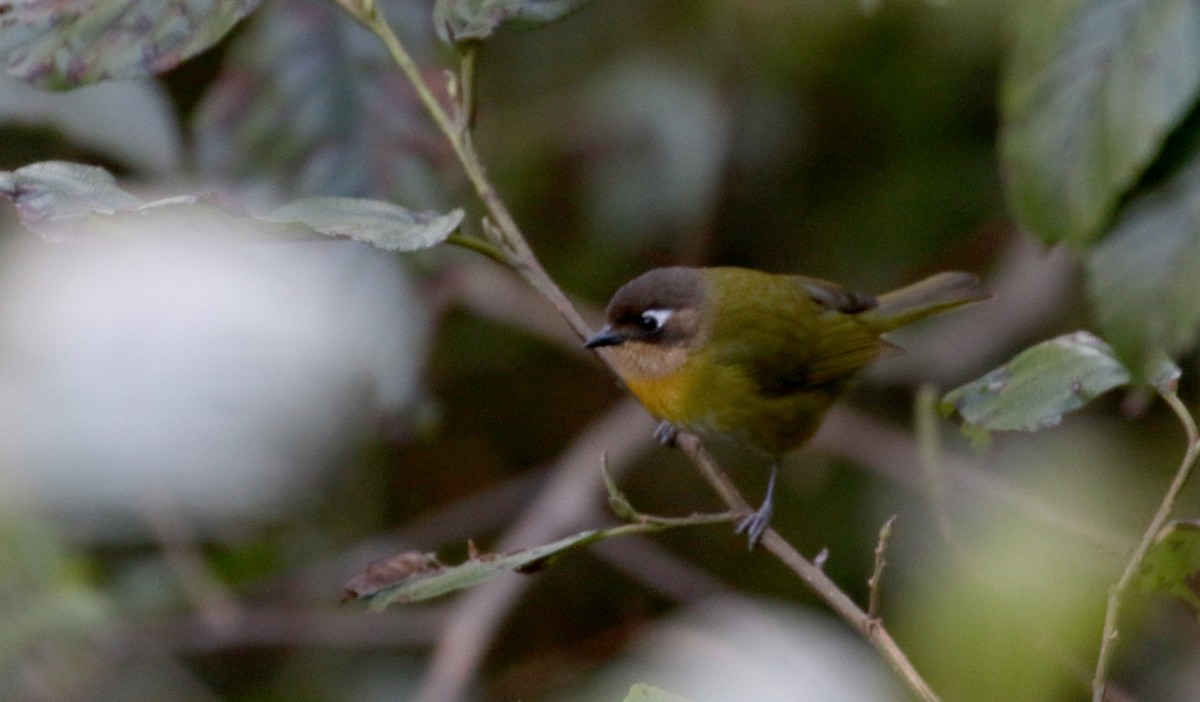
(604, 337)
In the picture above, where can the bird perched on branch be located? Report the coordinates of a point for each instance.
(756, 357)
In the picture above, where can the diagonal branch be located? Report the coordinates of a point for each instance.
(869, 626)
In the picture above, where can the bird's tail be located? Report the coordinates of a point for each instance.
(937, 293)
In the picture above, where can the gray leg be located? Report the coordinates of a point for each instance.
(757, 522)
(666, 433)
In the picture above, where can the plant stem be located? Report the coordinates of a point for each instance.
(466, 82)
(875, 582)
(479, 246)
(870, 627)
(1109, 640)
(522, 258)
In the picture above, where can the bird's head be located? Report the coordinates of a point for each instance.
(654, 320)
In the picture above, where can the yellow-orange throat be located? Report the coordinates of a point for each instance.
(657, 376)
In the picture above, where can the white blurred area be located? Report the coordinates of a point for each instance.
(130, 120)
(221, 382)
(737, 648)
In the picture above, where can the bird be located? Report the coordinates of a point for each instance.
(756, 357)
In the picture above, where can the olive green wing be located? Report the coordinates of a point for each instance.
(801, 333)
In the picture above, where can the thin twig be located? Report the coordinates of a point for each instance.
(523, 260)
(466, 85)
(870, 628)
(874, 583)
(1109, 639)
(625, 510)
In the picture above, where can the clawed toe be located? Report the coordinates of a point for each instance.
(756, 523)
(666, 433)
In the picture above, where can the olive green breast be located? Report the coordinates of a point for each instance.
(775, 358)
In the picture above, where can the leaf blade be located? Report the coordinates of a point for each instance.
(52, 198)
(459, 21)
(1144, 278)
(1173, 562)
(356, 128)
(381, 224)
(70, 43)
(1039, 385)
(1089, 96)
(427, 583)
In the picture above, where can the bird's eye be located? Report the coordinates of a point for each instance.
(653, 320)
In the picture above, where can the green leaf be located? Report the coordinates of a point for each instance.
(648, 693)
(1090, 93)
(68, 43)
(430, 579)
(60, 200)
(1173, 562)
(351, 128)
(382, 224)
(1038, 386)
(470, 20)
(1143, 281)
(53, 198)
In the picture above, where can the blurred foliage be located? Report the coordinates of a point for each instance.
(351, 126)
(848, 140)
(1092, 91)
(1173, 562)
(81, 42)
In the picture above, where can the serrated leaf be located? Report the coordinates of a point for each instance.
(435, 581)
(381, 224)
(68, 43)
(1090, 94)
(471, 20)
(1039, 385)
(1173, 562)
(52, 198)
(352, 125)
(1143, 281)
(648, 693)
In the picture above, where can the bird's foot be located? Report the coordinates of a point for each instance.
(666, 433)
(754, 524)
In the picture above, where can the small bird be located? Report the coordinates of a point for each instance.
(756, 357)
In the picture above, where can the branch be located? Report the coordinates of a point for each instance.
(1115, 594)
(876, 579)
(868, 626)
(457, 133)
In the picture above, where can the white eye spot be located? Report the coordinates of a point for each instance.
(653, 320)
